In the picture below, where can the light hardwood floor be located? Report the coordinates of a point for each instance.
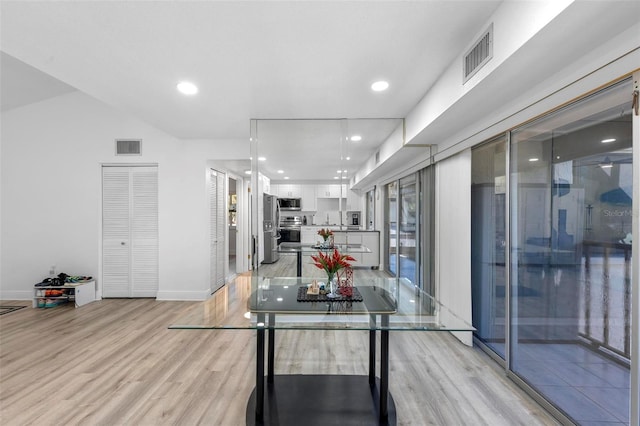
(114, 362)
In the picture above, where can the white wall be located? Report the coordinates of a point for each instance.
(52, 152)
(453, 239)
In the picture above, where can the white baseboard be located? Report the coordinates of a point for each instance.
(183, 295)
(16, 294)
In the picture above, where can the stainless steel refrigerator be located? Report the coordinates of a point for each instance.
(270, 227)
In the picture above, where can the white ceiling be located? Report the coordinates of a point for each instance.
(250, 59)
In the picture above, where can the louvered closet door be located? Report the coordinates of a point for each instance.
(217, 228)
(130, 231)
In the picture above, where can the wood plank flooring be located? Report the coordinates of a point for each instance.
(114, 362)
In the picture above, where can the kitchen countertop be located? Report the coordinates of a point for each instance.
(344, 228)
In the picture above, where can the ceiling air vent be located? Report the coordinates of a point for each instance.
(479, 54)
(128, 146)
(377, 157)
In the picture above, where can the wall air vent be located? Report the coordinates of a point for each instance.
(377, 157)
(478, 55)
(129, 147)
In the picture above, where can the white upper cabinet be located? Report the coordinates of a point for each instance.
(287, 190)
(309, 202)
(328, 191)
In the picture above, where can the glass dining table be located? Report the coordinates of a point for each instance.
(267, 305)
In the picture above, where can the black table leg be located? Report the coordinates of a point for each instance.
(260, 370)
(299, 264)
(384, 369)
(271, 348)
(372, 350)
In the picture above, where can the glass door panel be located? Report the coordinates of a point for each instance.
(391, 208)
(571, 256)
(408, 224)
(488, 241)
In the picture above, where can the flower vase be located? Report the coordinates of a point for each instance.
(325, 243)
(331, 286)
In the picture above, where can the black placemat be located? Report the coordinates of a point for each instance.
(304, 297)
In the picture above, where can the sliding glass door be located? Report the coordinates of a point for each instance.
(391, 228)
(488, 242)
(407, 227)
(570, 258)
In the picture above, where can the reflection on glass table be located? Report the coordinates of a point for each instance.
(270, 304)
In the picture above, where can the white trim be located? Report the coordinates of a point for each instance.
(183, 295)
(635, 267)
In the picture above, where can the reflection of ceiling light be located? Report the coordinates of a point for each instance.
(187, 88)
(356, 138)
(557, 157)
(280, 171)
(336, 177)
(247, 315)
(533, 159)
(606, 164)
(286, 177)
(262, 159)
(279, 299)
(380, 86)
(608, 140)
(247, 172)
(348, 158)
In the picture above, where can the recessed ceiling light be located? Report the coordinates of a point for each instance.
(262, 159)
(348, 158)
(247, 172)
(339, 171)
(356, 138)
(286, 177)
(336, 177)
(608, 140)
(187, 88)
(533, 159)
(280, 171)
(344, 171)
(380, 86)
(344, 177)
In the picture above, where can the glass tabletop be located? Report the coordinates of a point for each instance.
(254, 302)
(314, 248)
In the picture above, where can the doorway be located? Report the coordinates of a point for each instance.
(233, 225)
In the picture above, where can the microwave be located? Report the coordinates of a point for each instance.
(290, 204)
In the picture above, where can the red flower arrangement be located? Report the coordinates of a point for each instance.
(332, 263)
(325, 233)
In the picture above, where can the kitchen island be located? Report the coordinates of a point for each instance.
(345, 235)
(301, 249)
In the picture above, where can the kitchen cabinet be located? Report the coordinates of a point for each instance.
(309, 202)
(287, 190)
(369, 239)
(353, 201)
(309, 234)
(329, 191)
